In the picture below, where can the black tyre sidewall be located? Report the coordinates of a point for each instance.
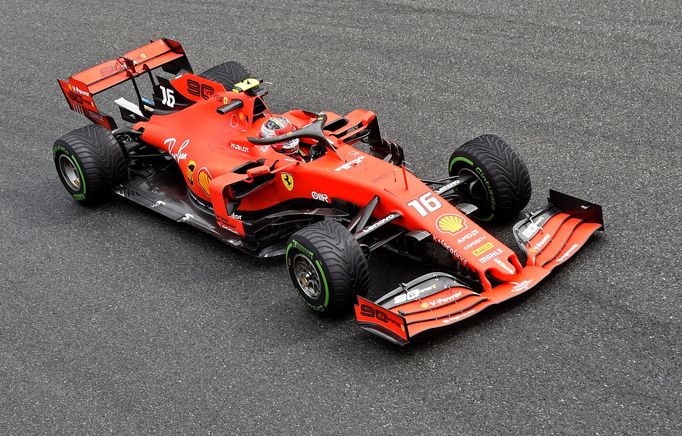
(333, 300)
(299, 244)
(99, 161)
(63, 148)
(508, 189)
(485, 214)
(223, 74)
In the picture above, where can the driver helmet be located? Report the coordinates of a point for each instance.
(278, 126)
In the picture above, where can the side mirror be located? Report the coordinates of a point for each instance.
(234, 104)
(257, 171)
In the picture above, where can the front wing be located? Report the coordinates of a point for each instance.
(548, 238)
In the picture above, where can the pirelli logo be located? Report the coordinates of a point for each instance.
(483, 248)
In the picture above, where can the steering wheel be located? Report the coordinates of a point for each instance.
(311, 131)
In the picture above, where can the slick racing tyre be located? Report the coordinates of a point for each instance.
(89, 163)
(227, 74)
(327, 267)
(500, 185)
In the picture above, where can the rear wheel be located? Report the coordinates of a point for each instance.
(89, 162)
(500, 185)
(327, 267)
(227, 74)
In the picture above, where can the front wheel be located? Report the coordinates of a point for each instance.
(500, 183)
(327, 267)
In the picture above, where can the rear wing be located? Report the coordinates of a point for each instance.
(80, 88)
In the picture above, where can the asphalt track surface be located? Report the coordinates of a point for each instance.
(113, 319)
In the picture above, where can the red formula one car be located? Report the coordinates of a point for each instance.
(207, 151)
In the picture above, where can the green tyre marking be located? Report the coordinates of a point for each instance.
(480, 172)
(488, 187)
(79, 195)
(302, 249)
(57, 148)
(318, 308)
(488, 218)
(80, 171)
(460, 159)
(326, 287)
(286, 253)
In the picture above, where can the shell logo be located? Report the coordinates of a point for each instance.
(451, 224)
(204, 180)
(191, 166)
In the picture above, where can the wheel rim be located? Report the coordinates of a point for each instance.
(478, 194)
(475, 188)
(69, 173)
(307, 276)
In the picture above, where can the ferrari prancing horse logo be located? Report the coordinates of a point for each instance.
(288, 181)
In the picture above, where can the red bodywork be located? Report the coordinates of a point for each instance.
(217, 146)
(208, 146)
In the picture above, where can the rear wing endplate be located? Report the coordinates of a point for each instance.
(80, 88)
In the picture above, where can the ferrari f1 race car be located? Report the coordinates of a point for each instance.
(322, 189)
